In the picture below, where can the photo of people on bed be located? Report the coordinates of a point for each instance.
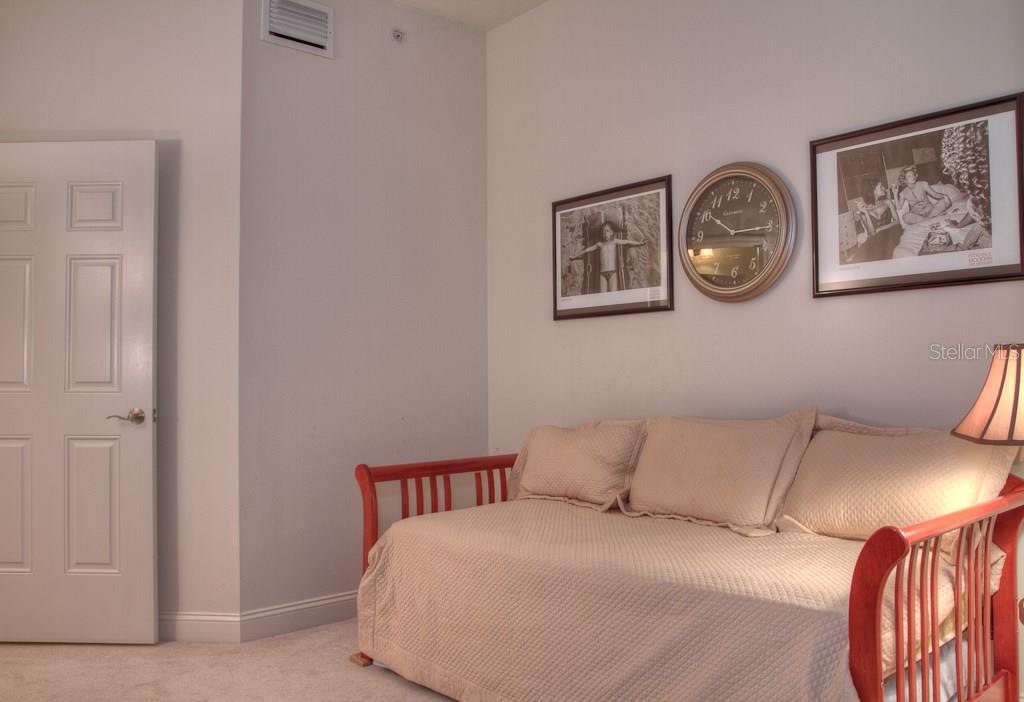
(917, 195)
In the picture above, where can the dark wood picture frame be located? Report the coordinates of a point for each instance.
(600, 200)
(895, 131)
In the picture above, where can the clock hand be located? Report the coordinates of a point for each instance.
(722, 225)
(752, 229)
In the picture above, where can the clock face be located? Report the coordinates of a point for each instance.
(734, 229)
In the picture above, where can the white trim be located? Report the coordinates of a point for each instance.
(292, 616)
(200, 617)
(207, 627)
(290, 607)
(228, 627)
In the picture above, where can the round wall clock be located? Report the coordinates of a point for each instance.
(736, 234)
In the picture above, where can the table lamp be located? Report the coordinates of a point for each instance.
(997, 416)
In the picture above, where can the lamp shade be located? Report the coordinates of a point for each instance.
(998, 414)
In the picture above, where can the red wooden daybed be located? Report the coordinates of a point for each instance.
(986, 650)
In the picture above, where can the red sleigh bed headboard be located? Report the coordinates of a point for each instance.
(417, 473)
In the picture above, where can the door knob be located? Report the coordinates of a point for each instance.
(135, 416)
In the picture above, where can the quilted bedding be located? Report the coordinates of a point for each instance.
(542, 600)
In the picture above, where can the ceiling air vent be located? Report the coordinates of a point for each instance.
(299, 24)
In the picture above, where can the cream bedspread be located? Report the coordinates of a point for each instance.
(541, 600)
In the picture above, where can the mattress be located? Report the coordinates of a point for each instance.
(542, 600)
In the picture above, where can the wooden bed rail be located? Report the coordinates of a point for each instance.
(984, 624)
(423, 475)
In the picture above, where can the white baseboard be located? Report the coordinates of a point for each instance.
(292, 616)
(225, 627)
(206, 627)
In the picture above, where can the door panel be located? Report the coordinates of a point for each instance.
(15, 321)
(94, 315)
(17, 202)
(92, 499)
(77, 305)
(15, 504)
(94, 206)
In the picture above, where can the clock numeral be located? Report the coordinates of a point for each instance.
(750, 195)
(771, 225)
(705, 217)
(716, 202)
(735, 272)
(700, 236)
(764, 207)
(733, 194)
(753, 264)
(718, 264)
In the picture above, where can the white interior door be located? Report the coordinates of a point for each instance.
(77, 490)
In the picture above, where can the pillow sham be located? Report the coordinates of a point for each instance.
(589, 465)
(851, 484)
(827, 422)
(727, 472)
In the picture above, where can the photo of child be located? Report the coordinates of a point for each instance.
(611, 247)
(613, 251)
(610, 255)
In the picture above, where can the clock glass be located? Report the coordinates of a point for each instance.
(733, 231)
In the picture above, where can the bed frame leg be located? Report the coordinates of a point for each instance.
(361, 659)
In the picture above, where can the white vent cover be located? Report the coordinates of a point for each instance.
(299, 24)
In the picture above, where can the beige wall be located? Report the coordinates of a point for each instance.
(171, 71)
(588, 94)
(362, 285)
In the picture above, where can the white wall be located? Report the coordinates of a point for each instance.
(363, 186)
(171, 71)
(362, 285)
(589, 94)
(362, 275)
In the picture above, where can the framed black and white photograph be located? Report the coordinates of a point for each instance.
(933, 200)
(613, 252)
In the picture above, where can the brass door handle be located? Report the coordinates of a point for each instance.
(135, 416)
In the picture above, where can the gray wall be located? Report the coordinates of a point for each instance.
(363, 330)
(170, 71)
(589, 94)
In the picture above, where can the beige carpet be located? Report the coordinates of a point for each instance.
(305, 665)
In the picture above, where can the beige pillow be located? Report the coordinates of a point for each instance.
(589, 465)
(851, 484)
(728, 472)
(826, 422)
